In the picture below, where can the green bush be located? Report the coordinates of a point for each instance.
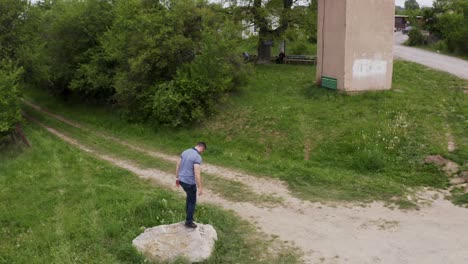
(440, 45)
(168, 62)
(201, 84)
(179, 64)
(298, 48)
(448, 20)
(11, 23)
(297, 43)
(416, 38)
(71, 33)
(146, 45)
(10, 113)
(457, 41)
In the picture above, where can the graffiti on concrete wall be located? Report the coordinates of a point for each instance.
(365, 68)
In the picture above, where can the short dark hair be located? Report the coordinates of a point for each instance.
(201, 144)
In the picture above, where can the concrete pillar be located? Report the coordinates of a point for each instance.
(355, 44)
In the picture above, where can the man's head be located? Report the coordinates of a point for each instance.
(201, 147)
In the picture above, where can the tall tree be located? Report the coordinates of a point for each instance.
(12, 17)
(12, 14)
(273, 19)
(267, 15)
(411, 5)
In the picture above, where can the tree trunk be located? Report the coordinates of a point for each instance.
(264, 53)
(266, 35)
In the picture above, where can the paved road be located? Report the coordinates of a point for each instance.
(455, 66)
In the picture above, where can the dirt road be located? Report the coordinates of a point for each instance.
(452, 65)
(339, 233)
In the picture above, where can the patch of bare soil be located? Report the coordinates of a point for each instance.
(262, 186)
(451, 146)
(333, 234)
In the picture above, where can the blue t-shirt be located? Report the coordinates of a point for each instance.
(188, 159)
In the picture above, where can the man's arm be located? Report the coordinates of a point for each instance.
(177, 169)
(177, 173)
(197, 170)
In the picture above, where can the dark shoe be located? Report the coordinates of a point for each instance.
(191, 225)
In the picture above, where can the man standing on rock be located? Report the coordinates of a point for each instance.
(188, 176)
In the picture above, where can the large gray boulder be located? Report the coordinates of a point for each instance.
(167, 242)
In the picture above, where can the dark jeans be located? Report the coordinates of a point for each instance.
(191, 202)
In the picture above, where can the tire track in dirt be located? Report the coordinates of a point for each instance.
(339, 234)
(261, 186)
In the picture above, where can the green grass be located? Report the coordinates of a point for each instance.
(229, 189)
(459, 197)
(325, 145)
(59, 205)
(238, 192)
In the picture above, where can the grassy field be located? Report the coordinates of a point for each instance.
(229, 189)
(59, 205)
(325, 145)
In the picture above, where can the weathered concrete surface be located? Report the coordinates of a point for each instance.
(167, 242)
(355, 43)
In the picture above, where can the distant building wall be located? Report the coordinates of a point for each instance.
(355, 43)
(400, 22)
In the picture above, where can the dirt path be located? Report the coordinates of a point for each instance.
(455, 66)
(346, 233)
(261, 186)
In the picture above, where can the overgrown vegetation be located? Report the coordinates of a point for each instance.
(11, 26)
(10, 103)
(165, 62)
(161, 62)
(416, 38)
(446, 22)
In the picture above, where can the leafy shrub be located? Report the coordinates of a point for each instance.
(416, 38)
(9, 97)
(11, 22)
(201, 84)
(448, 20)
(178, 66)
(440, 45)
(165, 61)
(457, 41)
(146, 45)
(297, 43)
(298, 47)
